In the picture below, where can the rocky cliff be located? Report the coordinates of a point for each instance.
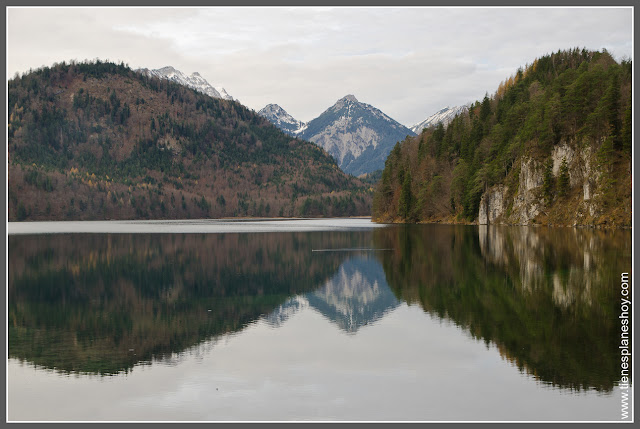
(526, 203)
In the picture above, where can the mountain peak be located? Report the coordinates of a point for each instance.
(272, 107)
(281, 119)
(167, 69)
(358, 135)
(349, 97)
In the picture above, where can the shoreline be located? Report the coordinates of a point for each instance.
(187, 226)
(240, 220)
(533, 225)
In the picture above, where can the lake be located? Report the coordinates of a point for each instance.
(313, 320)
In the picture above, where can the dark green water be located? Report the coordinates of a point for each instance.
(529, 315)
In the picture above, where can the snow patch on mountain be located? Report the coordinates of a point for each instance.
(194, 81)
(223, 92)
(444, 116)
(281, 119)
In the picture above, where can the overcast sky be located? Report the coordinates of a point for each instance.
(408, 62)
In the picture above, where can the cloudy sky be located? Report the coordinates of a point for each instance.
(408, 62)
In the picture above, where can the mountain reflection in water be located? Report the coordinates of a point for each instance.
(357, 295)
(103, 303)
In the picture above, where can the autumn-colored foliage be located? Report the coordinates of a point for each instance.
(100, 141)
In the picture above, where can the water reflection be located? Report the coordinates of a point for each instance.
(102, 303)
(356, 295)
(548, 298)
(572, 261)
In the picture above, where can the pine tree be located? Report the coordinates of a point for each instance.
(406, 198)
(625, 133)
(563, 179)
(485, 108)
(612, 106)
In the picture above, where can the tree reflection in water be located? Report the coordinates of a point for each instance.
(547, 297)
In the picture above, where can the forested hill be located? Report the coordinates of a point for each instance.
(100, 141)
(551, 146)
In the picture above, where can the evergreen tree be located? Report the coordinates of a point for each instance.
(612, 106)
(625, 133)
(405, 205)
(563, 178)
(485, 108)
(606, 152)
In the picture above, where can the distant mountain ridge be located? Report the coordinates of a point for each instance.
(357, 135)
(281, 119)
(444, 116)
(194, 81)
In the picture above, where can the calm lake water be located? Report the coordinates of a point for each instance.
(313, 320)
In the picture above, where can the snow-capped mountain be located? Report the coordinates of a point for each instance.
(356, 134)
(195, 81)
(445, 116)
(281, 119)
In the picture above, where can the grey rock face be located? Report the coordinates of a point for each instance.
(356, 134)
(528, 200)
